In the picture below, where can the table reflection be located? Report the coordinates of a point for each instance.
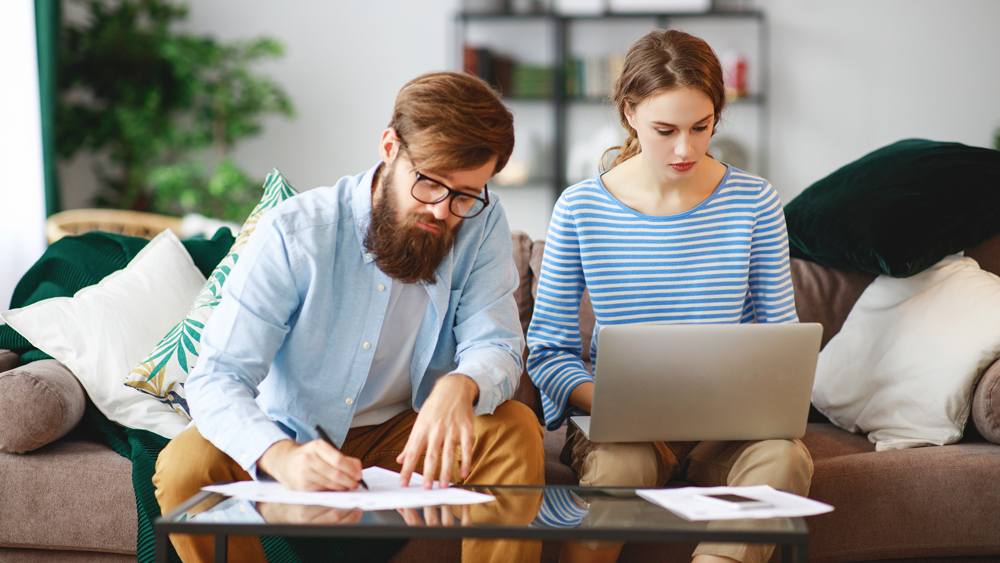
(549, 507)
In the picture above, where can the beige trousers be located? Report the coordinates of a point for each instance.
(783, 464)
(507, 450)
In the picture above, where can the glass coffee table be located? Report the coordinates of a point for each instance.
(542, 513)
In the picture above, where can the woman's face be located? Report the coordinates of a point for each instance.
(674, 128)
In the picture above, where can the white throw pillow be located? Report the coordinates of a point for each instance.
(905, 363)
(105, 329)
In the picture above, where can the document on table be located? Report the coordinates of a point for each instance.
(687, 503)
(384, 493)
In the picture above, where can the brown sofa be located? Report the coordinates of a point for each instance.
(72, 499)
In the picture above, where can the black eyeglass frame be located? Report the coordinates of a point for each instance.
(450, 194)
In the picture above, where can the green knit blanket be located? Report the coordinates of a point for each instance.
(69, 265)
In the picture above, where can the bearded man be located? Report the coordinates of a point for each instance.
(381, 311)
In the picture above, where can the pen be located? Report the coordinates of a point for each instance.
(323, 435)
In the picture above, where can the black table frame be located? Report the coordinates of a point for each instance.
(796, 539)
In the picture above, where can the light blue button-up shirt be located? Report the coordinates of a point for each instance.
(292, 341)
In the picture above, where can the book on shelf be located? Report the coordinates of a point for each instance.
(512, 78)
(592, 78)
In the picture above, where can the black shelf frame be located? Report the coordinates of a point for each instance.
(561, 102)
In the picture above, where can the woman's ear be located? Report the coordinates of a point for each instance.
(629, 115)
(388, 146)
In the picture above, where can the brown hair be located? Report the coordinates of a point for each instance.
(659, 62)
(453, 121)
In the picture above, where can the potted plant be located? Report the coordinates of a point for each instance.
(166, 107)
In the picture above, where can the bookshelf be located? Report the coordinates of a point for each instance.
(555, 71)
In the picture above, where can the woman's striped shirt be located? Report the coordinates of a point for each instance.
(724, 261)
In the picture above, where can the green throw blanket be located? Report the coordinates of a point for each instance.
(69, 265)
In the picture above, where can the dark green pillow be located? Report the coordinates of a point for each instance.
(899, 209)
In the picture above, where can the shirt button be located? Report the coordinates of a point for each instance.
(243, 458)
(381, 287)
(349, 401)
(243, 508)
(368, 255)
(217, 519)
(366, 345)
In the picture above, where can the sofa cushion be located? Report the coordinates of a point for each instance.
(899, 209)
(920, 502)
(71, 494)
(526, 391)
(523, 295)
(15, 555)
(987, 254)
(826, 295)
(39, 403)
(557, 472)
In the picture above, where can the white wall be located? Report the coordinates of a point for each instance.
(344, 63)
(847, 76)
(22, 192)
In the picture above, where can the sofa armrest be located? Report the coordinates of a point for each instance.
(40, 402)
(986, 404)
(8, 360)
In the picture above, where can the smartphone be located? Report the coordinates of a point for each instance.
(736, 501)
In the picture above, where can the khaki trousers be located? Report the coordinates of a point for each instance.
(507, 450)
(783, 464)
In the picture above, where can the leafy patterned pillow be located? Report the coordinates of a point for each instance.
(164, 372)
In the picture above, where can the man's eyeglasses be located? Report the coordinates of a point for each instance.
(429, 190)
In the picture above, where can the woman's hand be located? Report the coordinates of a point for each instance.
(582, 396)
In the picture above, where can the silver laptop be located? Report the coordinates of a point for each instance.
(660, 382)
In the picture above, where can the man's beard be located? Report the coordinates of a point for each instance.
(403, 250)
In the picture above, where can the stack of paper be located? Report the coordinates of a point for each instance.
(384, 493)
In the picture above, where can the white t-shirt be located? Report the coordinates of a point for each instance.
(388, 390)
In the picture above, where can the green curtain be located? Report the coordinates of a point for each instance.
(47, 21)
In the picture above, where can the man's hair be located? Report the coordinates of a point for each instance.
(452, 121)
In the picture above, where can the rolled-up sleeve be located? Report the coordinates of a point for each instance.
(487, 328)
(238, 344)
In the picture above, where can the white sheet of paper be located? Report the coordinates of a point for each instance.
(685, 503)
(384, 493)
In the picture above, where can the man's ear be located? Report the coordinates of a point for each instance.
(388, 146)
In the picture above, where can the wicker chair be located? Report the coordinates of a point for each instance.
(118, 221)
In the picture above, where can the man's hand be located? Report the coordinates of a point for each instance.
(431, 518)
(276, 513)
(445, 420)
(313, 466)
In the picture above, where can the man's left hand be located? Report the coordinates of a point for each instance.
(446, 420)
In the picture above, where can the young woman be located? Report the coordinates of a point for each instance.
(667, 234)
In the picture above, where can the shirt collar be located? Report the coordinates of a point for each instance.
(361, 207)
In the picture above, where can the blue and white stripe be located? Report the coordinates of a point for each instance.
(725, 261)
(558, 510)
